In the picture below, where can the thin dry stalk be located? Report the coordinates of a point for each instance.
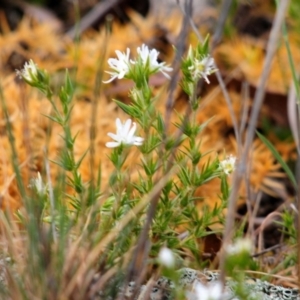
(99, 248)
(257, 254)
(270, 275)
(11, 236)
(104, 278)
(245, 107)
(221, 22)
(260, 230)
(253, 214)
(231, 111)
(98, 11)
(145, 294)
(258, 99)
(72, 251)
(180, 47)
(95, 102)
(293, 116)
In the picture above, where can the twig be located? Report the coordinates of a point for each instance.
(180, 48)
(221, 21)
(98, 11)
(244, 109)
(145, 294)
(252, 217)
(260, 230)
(270, 275)
(107, 276)
(267, 250)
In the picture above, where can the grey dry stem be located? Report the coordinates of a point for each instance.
(258, 100)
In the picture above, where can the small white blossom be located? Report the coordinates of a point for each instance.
(120, 65)
(38, 184)
(202, 68)
(149, 58)
(125, 135)
(29, 71)
(211, 291)
(240, 246)
(166, 257)
(228, 165)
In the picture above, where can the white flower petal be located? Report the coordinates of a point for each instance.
(125, 134)
(112, 144)
(132, 131)
(239, 246)
(165, 74)
(149, 60)
(166, 257)
(113, 136)
(126, 127)
(211, 291)
(119, 125)
(201, 68)
(206, 78)
(110, 80)
(29, 71)
(120, 65)
(139, 139)
(228, 165)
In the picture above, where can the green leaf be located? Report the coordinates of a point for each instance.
(276, 154)
(160, 124)
(129, 109)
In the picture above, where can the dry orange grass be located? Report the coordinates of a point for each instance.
(55, 53)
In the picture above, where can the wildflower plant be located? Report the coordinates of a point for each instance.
(227, 165)
(147, 205)
(197, 65)
(35, 77)
(38, 184)
(61, 115)
(162, 153)
(238, 259)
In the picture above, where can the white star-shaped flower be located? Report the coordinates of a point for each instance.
(38, 184)
(149, 59)
(240, 246)
(202, 68)
(166, 257)
(125, 135)
(228, 165)
(120, 65)
(29, 71)
(211, 291)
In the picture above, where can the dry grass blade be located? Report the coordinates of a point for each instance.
(99, 248)
(293, 115)
(221, 21)
(90, 18)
